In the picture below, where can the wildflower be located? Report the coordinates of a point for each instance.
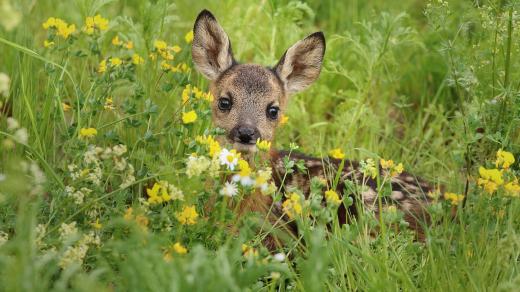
(116, 41)
(398, 169)
(504, 159)
(62, 28)
(129, 45)
(279, 257)
(166, 67)
(152, 56)
(386, 164)
(213, 145)
(189, 117)
(230, 189)
(197, 165)
(73, 255)
(332, 197)
(157, 194)
(337, 153)
(283, 120)
(95, 23)
(160, 45)
(66, 107)
(102, 66)
(179, 248)
(68, 230)
(454, 199)
(115, 62)
(263, 145)
(96, 224)
(244, 175)
(391, 209)
(229, 158)
(490, 179)
(109, 103)
(249, 251)
(512, 188)
(368, 167)
(48, 44)
(87, 132)
(186, 93)
(292, 206)
(137, 60)
(189, 37)
(142, 221)
(129, 214)
(188, 215)
(21, 135)
(176, 49)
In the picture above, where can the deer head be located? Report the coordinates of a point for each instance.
(250, 98)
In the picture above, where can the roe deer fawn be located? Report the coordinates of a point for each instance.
(249, 100)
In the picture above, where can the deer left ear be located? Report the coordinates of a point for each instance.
(300, 66)
(211, 48)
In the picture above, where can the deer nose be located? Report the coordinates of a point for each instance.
(247, 134)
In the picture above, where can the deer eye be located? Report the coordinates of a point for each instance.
(224, 104)
(272, 112)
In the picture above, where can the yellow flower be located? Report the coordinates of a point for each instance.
(158, 193)
(249, 251)
(160, 45)
(48, 44)
(95, 23)
(512, 188)
(386, 164)
(129, 214)
(292, 206)
(337, 153)
(189, 37)
(115, 62)
(152, 56)
(97, 225)
(137, 60)
(245, 170)
(189, 117)
(129, 45)
(263, 145)
(116, 41)
(186, 93)
(398, 169)
(504, 159)
(176, 49)
(454, 199)
(102, 66)
(332, 197)
(65, 107)
(165, 66)
(368, 167)
(179, 248)
(188, 215)
(493, 175)
(109, 103)
(283, 120)
(65, 31)
(142, 221)
(51, 22)
(87, 132)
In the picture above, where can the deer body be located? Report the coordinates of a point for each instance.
(249, 100)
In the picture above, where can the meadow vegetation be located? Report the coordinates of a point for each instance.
(111, 179)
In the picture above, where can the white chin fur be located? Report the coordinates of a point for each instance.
(244, 148)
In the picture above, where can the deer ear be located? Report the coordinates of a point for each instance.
(211, 49)
(301, 63)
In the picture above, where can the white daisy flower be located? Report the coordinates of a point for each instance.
(229, 158)
(230, 189)
(246, 181)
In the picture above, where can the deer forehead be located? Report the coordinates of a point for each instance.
(249, 85)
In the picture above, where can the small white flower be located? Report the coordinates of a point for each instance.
(197, 165)
(4, 85)
(229, 158)
(2, 177)
(279, 257)
(119, 149)
(246, 181)
(12, 124)
(230, 189)
(21, 135)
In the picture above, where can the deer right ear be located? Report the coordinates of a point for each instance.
(211, 48)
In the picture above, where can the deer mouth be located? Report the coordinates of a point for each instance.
(244, 147)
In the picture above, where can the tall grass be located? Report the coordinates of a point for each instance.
(432, 84)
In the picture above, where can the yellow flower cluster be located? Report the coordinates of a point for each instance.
(212, 144)
(188, 215)
(161, 49)
(189, 37)
(491, 179)
(332, 197)
(199, 94)
(189, 117)
(283, 120)
(453, 198)
(249, 251)
(62, 28)
(163, 192)
(263, 145)
(87, 132)
(141, 220)
(95, 24)
(118, 43)
(337, 153)
(292, 205)
(389, 165)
